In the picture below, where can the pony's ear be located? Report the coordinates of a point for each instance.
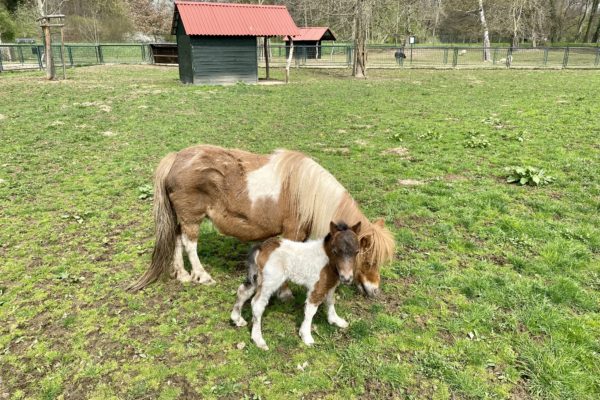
(379, 222)
(333, 227)
(356, 228)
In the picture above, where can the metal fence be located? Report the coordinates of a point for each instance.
(26, 56)
(436, 57)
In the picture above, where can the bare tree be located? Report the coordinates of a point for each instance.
(362, 14)
(486, 35)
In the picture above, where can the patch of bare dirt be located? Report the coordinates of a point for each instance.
(410, 182)
(398, 151)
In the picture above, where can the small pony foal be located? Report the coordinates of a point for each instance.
(319, 265)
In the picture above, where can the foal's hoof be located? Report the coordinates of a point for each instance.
(262, 345)
(240, 323)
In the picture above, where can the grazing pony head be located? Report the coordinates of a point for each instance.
(342, 247)
(376, 249)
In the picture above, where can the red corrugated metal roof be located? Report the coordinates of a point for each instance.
(224, 19)
(313, 34)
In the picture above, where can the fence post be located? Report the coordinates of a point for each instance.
(445, 55)
(545, 56)
(566, 58)
(70, 53)
(1, 67)
(99, 56)
(349, 55)
(495, 56)
(455, 57)
(21, 58)
(597, 56)
(509, 57)
(39, 56)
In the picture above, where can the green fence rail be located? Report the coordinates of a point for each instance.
(27, 56)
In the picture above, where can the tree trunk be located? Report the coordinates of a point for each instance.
(486, 36)
(581, 22)
(361, 11)
(597, 34)
(289, 61)
(593, 12)
(50, 70)
(436, 21)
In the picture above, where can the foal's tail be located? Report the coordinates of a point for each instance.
(165, 221)
(252, 267)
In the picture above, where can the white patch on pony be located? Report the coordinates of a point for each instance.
(264, 182)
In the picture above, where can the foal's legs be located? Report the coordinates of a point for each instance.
(332, 316)
(309, 312)
(265, 289)
(244, 292)
(189, 239)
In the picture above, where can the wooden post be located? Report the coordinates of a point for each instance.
(50, 71)
(266, 46)
(289, 61)
(62, 51)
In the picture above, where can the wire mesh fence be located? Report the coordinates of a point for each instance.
(27, 56)
(31, 56)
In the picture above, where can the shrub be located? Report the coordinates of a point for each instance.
(528, 176)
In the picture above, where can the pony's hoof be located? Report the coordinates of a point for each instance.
(203, 279)
(308, 340)
(183, 277)
(240, 322)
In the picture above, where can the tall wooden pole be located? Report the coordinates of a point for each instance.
(266, 46)
(62, 51)
(50, 71)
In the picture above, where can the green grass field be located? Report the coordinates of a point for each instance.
(494, 292)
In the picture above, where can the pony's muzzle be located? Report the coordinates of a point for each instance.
(346, 279)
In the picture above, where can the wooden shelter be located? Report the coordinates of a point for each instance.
(217, 42)
(309, 41)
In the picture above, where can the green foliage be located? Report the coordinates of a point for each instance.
(145, 192)
(7, 25)
(527, 176)
(476, 140)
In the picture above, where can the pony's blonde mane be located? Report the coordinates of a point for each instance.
(380, 248)
(313, 193)
(318, 198)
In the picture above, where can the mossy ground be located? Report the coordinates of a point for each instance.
(494, 292)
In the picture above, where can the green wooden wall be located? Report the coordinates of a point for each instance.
(184, 55)
(224, 59)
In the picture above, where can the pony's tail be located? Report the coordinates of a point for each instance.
(165, 221)
(252, 267)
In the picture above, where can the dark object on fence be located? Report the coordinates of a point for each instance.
(399, 56)
(216, 42)
(164, 53)
(25, 41)
(309, 42)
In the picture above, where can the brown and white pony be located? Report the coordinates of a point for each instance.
(252, 197)
(319, 265)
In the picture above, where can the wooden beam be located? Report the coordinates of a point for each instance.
(50, 72)
(266, 46)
